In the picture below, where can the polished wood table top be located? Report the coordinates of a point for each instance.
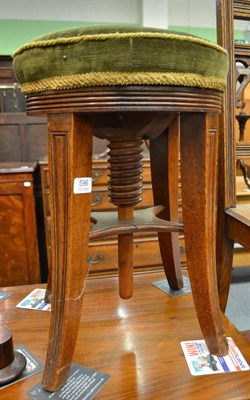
(136, 341)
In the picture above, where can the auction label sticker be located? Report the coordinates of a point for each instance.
(82, 185)
(201, 362)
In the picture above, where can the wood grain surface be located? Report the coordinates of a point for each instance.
(136, 341)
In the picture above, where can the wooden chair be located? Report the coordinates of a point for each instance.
(127, 85)
(245, 169)
(233, 221)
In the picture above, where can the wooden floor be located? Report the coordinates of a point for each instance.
(136, 341)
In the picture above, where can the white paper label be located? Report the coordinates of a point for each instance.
(201, 362)
(82, 185)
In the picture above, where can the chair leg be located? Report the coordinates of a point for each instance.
(199, 187)
(70, 157)
(224, 245)
(224, 265)
(164, 156)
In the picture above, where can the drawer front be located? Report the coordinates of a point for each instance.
(146, 175)
(102, 256)
(103, 259)
(100, 176)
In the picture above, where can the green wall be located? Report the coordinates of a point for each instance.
(206, 33)
(14, 33)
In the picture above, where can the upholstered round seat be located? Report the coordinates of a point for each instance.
(112, 55)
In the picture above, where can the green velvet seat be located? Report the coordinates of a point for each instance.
(113, 55)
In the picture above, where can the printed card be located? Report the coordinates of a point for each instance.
(164, 286)
(82, 384)
(35, 301)
(201, 362)
(4, 295)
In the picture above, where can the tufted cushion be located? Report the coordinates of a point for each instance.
(112, 55)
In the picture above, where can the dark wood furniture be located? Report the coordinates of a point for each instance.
(233, 227)
(11, 98)
(22, 138)
(245, 169)
(12, 363)
(242, 119)
(7, 76)
(18, 235)
(136, 341)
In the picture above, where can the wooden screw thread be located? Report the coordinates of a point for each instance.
(125, 189)
(125, 165)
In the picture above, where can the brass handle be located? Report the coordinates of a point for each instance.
(95, 176)
(182, 248)
(97, 199)
(95, 260)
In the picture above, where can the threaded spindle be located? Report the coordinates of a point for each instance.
(125, 165)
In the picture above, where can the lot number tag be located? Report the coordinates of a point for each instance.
(82, 185)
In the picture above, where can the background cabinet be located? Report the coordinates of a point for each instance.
(19, 256)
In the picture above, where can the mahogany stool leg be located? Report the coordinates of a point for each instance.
(70, 157)
(199, 188)
(164, 156)
(125, 256)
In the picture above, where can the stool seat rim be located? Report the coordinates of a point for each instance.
(125, 99)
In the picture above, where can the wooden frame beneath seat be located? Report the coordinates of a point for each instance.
(70, 130)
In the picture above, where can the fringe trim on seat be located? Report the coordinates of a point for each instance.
(124, 79)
